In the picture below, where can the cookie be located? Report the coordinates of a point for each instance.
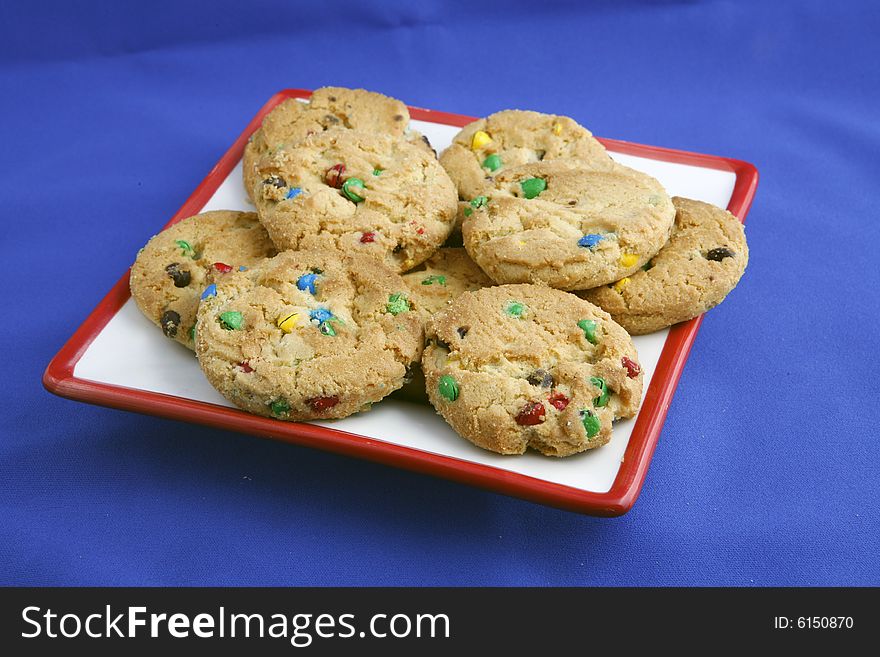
(172, 271)
(702, 262)
(308, 335)
(293, 120)
(518, 366)
(363, 193)
(485, 148)
(443, 277)
(567, 226)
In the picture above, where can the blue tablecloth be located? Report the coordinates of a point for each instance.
(766, 471)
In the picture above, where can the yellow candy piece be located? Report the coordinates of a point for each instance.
(480, 139)
(557, 128)
(622, 283)
(628, 259)
(288, 322)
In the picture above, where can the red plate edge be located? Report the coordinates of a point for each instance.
(60, 380)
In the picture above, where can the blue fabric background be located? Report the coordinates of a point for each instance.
(767, 469)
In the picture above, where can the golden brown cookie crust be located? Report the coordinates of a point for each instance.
(309, 335)
(444, 276)
(518, 366)
(702, 262)
(517, 137)
(516, 239)
(173, 269)
(293, 120)
(407, 207)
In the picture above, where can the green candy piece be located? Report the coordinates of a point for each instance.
(192, 333)
(604, 396)
(647, 266)
(448, 388)
(591, 423)
(350, 194)
(434, 279)
(187, 248)
(515, 309)
(279, 407)
(397, 303)
(589, 328)
(468, 212)
(378, 172)
(231, 320)
(533, 186)
(492, 162)
(479, 201)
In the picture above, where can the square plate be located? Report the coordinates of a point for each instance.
(160, 377)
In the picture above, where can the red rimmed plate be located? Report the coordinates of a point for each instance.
(117, 358)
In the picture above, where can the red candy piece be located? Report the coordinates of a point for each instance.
(333, 176)
(530, 414)
(222, 267)
(321, 404)
(632, 367)
(246, 367)
(558, 401)
(368, 237)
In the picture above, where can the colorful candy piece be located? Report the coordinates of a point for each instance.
(306, 282)
(480, 139)
(590, 241)
(604, 395)
(719, 254)
(181, 277)
(589, 326)
(430, 280)
(628, 259)
(170, 321)
(397, 303)
(231, 320)
(493, 162)
(557, 128)
(378, 172)
(350, 189)
(223, 268)
(210, 291)
(275, 181)
(321, 404)
(632, 368)
(326, 328)
(186, 248)
(334, 175)
(532, 187)
(246, 367)
(287, 322)
(242, 268)
(279, 407)
(515, 309)
(591, 422)
(448, 388)
(368, 237)
(192, 333)
(541, 378)
(293, 192)
(530, 414)
(622, 283)
(558, 401)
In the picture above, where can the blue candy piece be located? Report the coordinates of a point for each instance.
(210, 291)
(590, 241)
(307, 282)
(294, 192)
(242, 268)
(320, 315)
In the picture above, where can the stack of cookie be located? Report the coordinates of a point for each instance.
(323, 301)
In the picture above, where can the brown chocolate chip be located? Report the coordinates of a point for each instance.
(170, 321)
